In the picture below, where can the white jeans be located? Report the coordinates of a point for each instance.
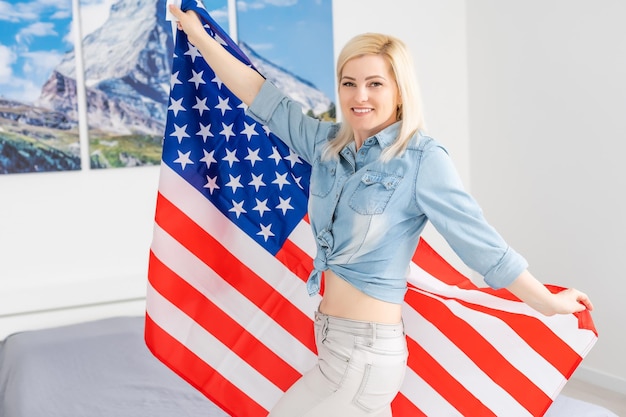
(360, 369)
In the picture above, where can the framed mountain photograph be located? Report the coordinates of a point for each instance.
(291, 43)
(38, 100)
(127, 51)
(127, 47)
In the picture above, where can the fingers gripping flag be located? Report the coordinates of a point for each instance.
(227, 308)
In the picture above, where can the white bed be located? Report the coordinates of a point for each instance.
(102, 368)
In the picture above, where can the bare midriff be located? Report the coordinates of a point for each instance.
(343, 300)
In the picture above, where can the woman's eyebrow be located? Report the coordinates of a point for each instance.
(367, 78)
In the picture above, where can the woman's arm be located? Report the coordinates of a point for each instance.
(242, 80)
(528, 289)
(456, 215)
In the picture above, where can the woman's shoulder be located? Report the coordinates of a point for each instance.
(421, 142)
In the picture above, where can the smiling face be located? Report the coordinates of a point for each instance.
(368, 95)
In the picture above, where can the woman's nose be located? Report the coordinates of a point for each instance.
(361, 95)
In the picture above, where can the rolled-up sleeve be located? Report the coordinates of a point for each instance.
(284, 117)
(455, 214)
(265, 103)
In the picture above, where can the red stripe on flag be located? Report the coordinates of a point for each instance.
(295, 259)
(482, 353)
(431, 262)
(226, 265)
(403, 407)
(210, 317)
(585, 321)
(198, 373)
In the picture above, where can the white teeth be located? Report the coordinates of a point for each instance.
(362, 110)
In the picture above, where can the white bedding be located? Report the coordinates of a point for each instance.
(103, 369)
(565, 406)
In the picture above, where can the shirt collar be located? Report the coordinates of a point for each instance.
(388, 135)
(385, 138)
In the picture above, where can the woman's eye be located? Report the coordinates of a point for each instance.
(348, 84)
(376, 84)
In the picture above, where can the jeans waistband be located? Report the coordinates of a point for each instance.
(360, 328)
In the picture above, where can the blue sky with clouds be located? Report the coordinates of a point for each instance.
(294, 34)
(34, 36)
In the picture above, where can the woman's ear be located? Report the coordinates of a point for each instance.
(399, 111)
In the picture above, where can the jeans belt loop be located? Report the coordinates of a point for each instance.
(325, 326)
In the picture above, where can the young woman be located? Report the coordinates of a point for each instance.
(376, 180)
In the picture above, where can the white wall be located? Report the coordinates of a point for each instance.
(547, 108)
(79, 238)
(73, 239)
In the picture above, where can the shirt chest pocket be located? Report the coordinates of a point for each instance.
(322, 177)
(374, 192)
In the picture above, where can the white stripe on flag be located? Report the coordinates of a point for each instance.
(566, 327)
(419, 392)
(187, 332)
(427, 282)
(302, 236)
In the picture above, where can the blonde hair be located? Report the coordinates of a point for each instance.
(409, 111)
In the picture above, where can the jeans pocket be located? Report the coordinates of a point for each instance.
(382, 379)
(333, 357)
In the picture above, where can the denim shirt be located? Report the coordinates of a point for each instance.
(367, 215)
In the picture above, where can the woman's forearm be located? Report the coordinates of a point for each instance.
(528, 289)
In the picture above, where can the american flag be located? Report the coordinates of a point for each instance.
(227, 308)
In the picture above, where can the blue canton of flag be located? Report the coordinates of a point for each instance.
(247, 172)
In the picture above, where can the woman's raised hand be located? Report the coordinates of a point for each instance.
(190, 23)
